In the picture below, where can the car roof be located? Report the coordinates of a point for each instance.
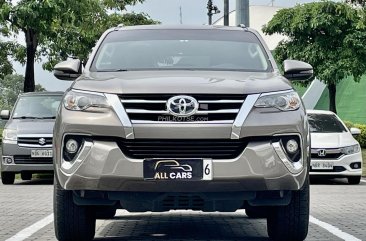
(324, 112)
(183, 27)
(43, 93)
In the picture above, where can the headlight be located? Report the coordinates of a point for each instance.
(284, 101)
(85, 101)
(351, 149)
(10, 135)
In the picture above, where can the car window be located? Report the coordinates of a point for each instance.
(325, 123)
(44, 107)
(183, 49)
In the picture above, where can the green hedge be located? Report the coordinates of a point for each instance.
(361, 138)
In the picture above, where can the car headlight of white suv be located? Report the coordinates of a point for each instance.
(348, 150)
(10, 135)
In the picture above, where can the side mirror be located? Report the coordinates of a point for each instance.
(68, 70)
(298, 70)
(5, 114)
(355, 131)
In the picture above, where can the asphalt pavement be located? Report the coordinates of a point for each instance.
(338, 212)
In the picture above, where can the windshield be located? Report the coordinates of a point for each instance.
(181, 50)
(37, 107)
(325, 124)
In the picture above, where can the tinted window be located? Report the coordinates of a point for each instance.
(37, 107)
(325, 123)
(181, 49)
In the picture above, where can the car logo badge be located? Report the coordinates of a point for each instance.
(42, 141)
(182, 106)
(322, 152)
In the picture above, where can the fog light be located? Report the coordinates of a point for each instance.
(8, 160)
(72, 146)
(292, 146)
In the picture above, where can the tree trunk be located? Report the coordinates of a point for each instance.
(31, 45)
(332, 97)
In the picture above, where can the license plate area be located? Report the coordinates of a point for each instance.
(322, 165)
(41, 153)
(177, 169)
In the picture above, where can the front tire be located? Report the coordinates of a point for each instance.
(291, 222)
(7, 178)
(72, 222)
(354, 180)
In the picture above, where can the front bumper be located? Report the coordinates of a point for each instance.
(341, 166)
(101, 165)
(13, 151)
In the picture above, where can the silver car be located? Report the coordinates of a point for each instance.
(164, 118)
(27, 136)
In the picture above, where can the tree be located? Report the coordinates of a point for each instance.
(327, 35)
(10, 87)
(56, 29)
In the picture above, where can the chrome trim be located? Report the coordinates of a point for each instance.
(330, 151)
(86, 92)
(35, 146)
(116, 104)
(220, 101)
(277, 92)
(188, 122)
(202, 112)
(145, 101)
(69, 167)
(34, 135)
(142, 111)
(293, 167)
(243, 114)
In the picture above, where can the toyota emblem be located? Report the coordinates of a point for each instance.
(182, 106)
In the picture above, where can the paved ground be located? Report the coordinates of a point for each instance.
(338, 212)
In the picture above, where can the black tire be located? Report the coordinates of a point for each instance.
(7, 178)
(256, 212)
(26, 176)
(105, 212)
(291, 222)
(72, 222)
(354, 180)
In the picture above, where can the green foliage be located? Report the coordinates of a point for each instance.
(57, 29)
(325, 34)
(328, 35)
(10, 87)
(5, 65)
(361, 138)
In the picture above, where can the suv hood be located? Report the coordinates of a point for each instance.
(332, 140)
(29, 126)
(189, 82)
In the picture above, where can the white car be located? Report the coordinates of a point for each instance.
(334, 151)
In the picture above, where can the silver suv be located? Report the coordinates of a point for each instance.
(165, 118)
(27, 136)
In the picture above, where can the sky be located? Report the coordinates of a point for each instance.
(167, 12)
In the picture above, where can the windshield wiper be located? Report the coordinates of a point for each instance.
(113, 70)
(35, 118)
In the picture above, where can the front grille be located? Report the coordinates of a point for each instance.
(153, 108)
(176, 202)
(35, 141)
(151, 148)
(327, 156)
(29, 160)
(335, 169)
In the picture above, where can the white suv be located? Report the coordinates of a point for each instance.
(334, 150)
